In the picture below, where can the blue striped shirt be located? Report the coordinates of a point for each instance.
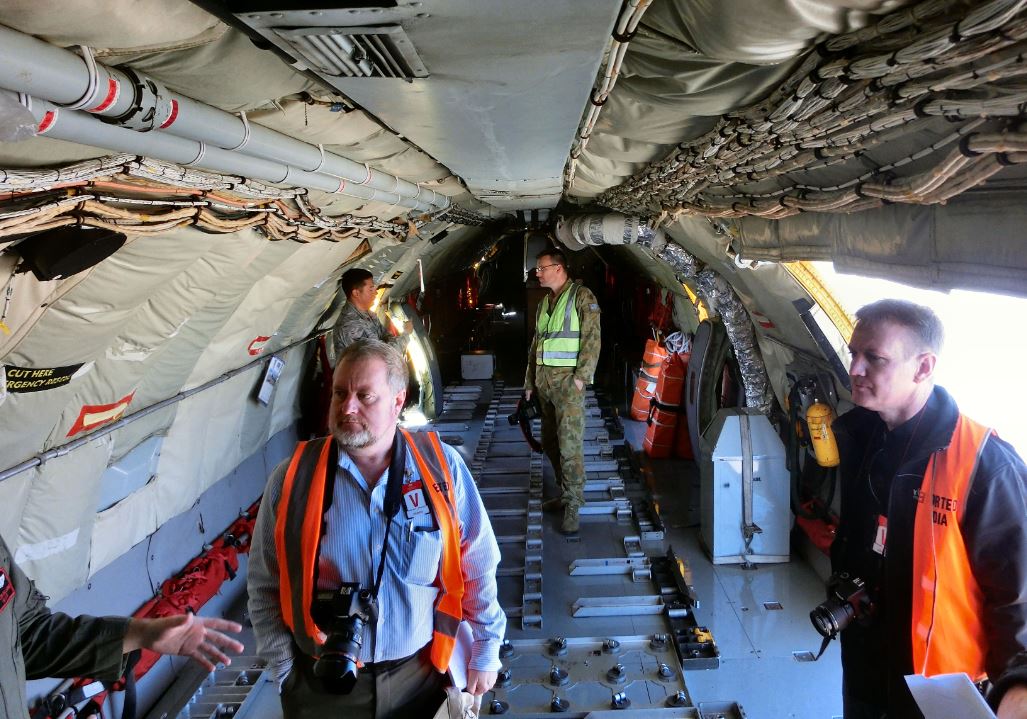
(407, 596)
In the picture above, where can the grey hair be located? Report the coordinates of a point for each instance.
(395, 365)
(920, 320)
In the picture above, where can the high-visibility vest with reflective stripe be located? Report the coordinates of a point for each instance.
(431, 464)
(948, 634)
(558, 332)
(298, 527)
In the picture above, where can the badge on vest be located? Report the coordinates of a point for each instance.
(414, 501)
(6, 589)
(880, 539)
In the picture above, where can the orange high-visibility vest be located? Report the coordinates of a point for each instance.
(948, 634)
(298, 527)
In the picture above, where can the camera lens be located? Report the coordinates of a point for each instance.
(832, 617)
(337, 666)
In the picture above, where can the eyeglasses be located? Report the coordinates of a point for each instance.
(543, 267)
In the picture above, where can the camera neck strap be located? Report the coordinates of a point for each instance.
(391, 505)
(823, 646)
(393, 500)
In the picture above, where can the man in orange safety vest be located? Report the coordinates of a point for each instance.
(370, 548)
(932, 520)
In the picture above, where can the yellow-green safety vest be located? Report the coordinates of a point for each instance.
(558, 334)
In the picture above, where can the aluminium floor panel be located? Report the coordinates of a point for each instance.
(758, 644)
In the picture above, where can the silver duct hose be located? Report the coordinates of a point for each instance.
(576, 233)
(738, 325)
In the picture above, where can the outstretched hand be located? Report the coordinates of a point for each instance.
(187, 635)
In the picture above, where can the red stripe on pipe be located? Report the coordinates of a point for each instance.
(113, 90)
(173, 116)
(47, 122)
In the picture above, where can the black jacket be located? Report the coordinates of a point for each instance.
(1016, 673)
(881, 472)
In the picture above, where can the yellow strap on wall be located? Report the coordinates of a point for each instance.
(700, 308)
(811, 281)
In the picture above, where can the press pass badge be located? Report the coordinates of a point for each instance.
(413, 499)
(271, 376)
(881, 537)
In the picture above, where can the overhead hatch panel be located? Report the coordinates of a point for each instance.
(383, 51)
(495, 89)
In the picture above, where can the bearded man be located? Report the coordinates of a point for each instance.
(370, 548)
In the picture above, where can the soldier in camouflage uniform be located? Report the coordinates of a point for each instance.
(357, 321)
(562, 360)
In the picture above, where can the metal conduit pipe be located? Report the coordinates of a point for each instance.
(582, 231)
(64, 449)
(74, 126)
(133, 100)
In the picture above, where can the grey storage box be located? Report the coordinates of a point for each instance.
(744, 480)
(477, 365)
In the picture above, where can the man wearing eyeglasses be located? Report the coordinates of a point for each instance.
(561, 361)
(932, 522)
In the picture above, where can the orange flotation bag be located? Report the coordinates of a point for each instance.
(645, 385)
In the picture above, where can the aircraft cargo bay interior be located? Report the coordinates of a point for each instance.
(590, 231)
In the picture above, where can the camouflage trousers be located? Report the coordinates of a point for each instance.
(563, 429)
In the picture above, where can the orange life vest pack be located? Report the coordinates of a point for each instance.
(661, 427)
(670, 385)
(645, 385)
(666, 417)
(298, 526)
(948, 635)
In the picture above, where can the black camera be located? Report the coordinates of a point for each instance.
(527, 410)
(342, 613)
(847, 599)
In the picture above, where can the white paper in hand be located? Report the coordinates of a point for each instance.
(461, 655)
(948, 695)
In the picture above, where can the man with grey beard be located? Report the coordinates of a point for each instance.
(370, 548)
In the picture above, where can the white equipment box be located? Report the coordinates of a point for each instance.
(477, 365)
(745, 511)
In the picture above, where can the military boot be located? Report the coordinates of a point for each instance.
(571, 523)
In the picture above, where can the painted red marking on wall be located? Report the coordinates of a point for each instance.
(253, 349)
(94, 415)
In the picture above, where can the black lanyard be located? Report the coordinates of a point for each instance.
(393, 498)
(390, 506)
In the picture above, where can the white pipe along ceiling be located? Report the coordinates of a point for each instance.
(140, 103)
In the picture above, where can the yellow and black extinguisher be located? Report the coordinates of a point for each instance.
(819, 417)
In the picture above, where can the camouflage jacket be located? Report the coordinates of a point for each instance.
(354, 324)
(587, 307)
